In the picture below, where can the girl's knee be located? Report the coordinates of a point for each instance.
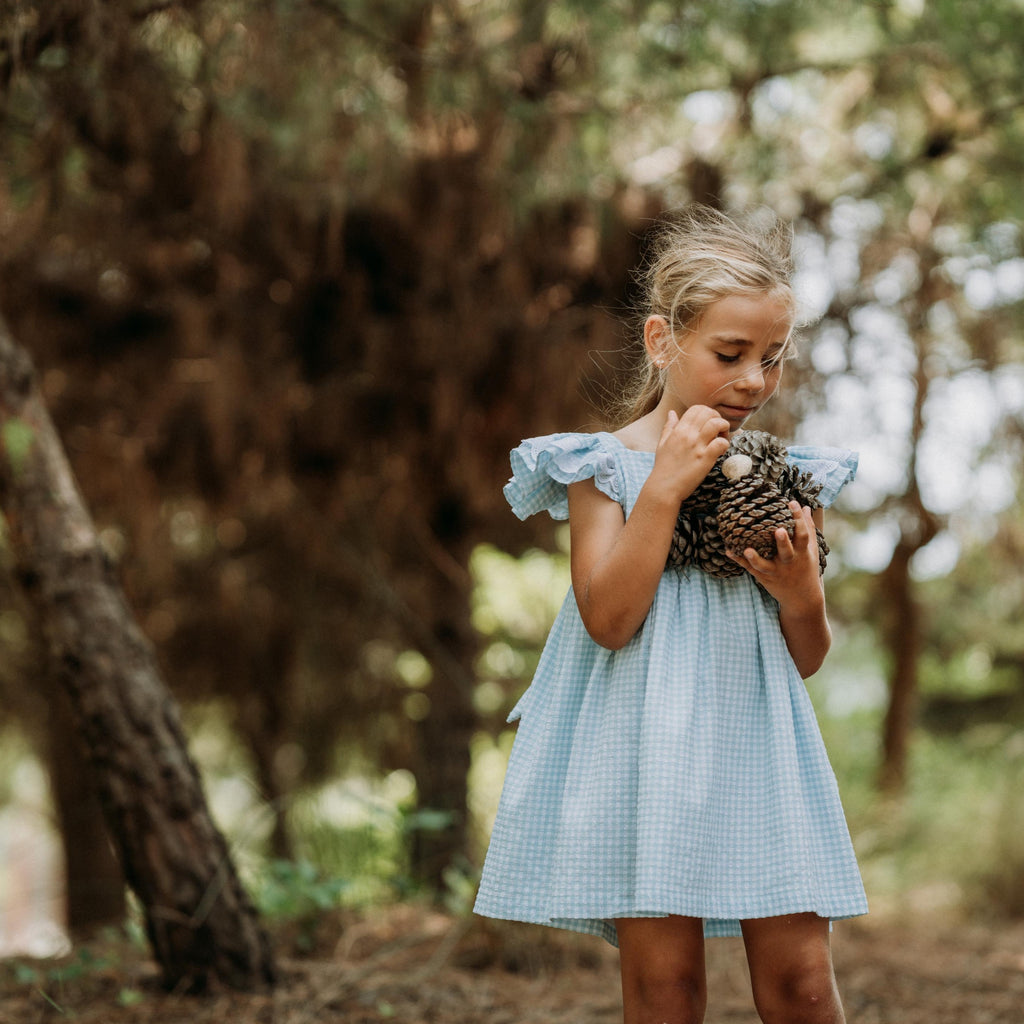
(799, 994)
(664, 996)
(663, 980)
(791, 970)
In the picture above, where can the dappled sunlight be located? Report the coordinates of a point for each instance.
(31, 868)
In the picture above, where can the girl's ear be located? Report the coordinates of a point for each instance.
(657, 340)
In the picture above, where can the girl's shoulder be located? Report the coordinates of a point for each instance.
(543, 468)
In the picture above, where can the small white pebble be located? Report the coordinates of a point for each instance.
(737, 466)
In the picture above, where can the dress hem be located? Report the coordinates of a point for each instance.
(604, 928)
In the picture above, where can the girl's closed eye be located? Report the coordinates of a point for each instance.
(725, 357)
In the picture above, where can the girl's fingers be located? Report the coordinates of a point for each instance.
(784, 546)
(708, 422)
(718, 446)
(698, 417)
(670, 425)
(700, 429)
(716, 430)
(710, 429)
(804, 532)
(753, 560)
(670, 422)
(787, 548)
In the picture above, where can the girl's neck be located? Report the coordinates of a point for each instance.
(643, 434)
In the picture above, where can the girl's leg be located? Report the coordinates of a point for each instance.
(663, 979)
(791, 970)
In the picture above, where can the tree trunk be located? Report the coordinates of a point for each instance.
(199, 919)
(444, 739)
(94, 881)
(904, 643)
(918, 528)
(263, 723)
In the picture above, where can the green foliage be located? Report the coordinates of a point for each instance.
(346, 866)
(19, 770)
(352, 839)
(83, 962)
(951, 844)
(357, 842)
(17, 438)
(91, 967)
(461, 879)
(297, 890)
(298, 893)
(998, 884)
(425, 820)
(975, 608)
(515, 600)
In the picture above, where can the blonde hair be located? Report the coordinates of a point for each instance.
(697, 257)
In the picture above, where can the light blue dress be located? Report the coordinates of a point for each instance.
(683, 774)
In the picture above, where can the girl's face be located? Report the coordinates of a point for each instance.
(731, 360)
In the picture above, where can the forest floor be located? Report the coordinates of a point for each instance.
(413, 965)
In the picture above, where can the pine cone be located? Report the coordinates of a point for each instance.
(711, 556)
(823, 550)
(700, 539)
(704, 499)
(796, 485)
(751, 510)
(769, 461)
(685, 540)
(767, 453)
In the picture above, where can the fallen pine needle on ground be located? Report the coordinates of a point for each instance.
(414, 965)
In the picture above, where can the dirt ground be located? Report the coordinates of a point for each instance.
(413, 966)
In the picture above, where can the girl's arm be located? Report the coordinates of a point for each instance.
(793, 579)
(617, 563)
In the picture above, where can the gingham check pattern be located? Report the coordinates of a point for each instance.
(683, 774)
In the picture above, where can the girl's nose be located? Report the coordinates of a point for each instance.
(753, 379)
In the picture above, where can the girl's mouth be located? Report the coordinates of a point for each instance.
(736, 412)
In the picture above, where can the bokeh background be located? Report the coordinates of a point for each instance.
(296, 276)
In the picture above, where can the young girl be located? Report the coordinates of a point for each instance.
(668, 780)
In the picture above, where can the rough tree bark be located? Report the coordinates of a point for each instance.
(201, 924)
(903, 641)
(94, 879)
(445, 734)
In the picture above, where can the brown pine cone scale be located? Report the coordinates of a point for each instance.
(750, 512)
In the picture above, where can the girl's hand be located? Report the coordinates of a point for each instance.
(687, 449)
(792, 576)
(617, 563)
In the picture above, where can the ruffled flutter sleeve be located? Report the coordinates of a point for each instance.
(543, 467)
(833, 468)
